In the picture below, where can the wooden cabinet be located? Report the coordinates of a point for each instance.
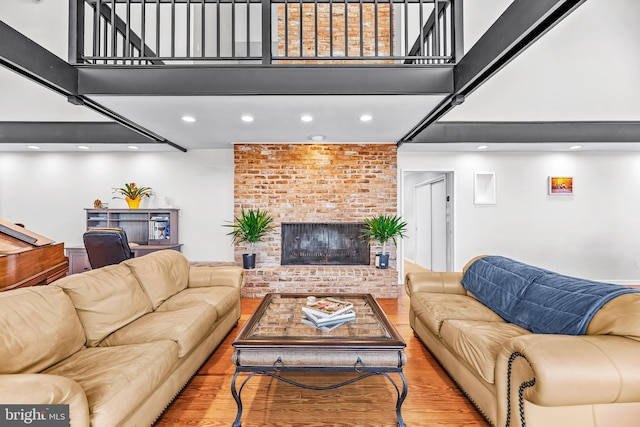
(143, 226)
(78, 259)
(148, 230)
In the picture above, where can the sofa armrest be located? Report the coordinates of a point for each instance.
(224, 275)
(43, 389)
(432, 281)
(561, 370)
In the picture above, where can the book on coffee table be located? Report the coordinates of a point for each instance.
(328, 328)
(318, 321)
(327, 307)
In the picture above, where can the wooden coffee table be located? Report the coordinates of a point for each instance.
(275, 340)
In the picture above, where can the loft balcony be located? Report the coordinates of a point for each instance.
(266, 32)
(142, 62)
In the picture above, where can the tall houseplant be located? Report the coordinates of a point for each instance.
(384, 228)
(250, 226)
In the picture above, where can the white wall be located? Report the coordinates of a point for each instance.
(591, 234)
(49, 191)
(585, 68)
(478, 16)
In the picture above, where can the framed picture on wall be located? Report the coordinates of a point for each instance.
(560, 185)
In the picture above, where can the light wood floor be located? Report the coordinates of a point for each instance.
(432, 400)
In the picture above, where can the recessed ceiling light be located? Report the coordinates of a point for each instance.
(247, 118)
(482, 147)
(365, 118)
(83, 147)
(575, 147)
(316, 138)
(306, 118)
(132, 147)
(33, 147)
(188, 119)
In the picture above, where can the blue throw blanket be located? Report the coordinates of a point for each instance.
(536, 299)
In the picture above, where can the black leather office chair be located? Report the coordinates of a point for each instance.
(106, 246)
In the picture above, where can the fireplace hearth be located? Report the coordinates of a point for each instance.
(323, 244)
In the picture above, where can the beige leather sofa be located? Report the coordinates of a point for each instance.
(118, 343)
(517, 378)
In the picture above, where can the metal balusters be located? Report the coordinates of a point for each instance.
(422, 43)
(105, 41)
(286, 28)
(315, 26)
(406, 27)
(126, 45)
(143, 31)
(248, 52)
(188, 35)
(436, 28)
(158, 28)
(361, 28)
(376, 33)
(391, 32)
(330, 28)
(300, 30)
(218, 29)
(346, 30)
(96, 30)
(445, 48)
(121, 30)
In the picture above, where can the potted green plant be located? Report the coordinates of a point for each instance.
(133, 194)
(382, 229)
(250, 226)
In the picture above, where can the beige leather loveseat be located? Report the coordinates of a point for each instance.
(117, 343)
(517, 377)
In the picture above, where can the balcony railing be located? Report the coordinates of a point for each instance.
(157, 32)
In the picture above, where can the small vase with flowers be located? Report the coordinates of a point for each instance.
(133, 194)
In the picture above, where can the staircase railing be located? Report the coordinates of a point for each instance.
(159, 32)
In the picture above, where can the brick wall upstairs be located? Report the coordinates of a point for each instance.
(314, 183)
(368, 29)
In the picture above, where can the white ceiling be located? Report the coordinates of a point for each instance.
(276, 118)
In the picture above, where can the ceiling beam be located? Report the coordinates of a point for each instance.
(30, 60)
(524, 132)
(21, 55)
(265, 80)
(522, 23)
(69, 133)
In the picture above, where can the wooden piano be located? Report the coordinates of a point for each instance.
(28, 259)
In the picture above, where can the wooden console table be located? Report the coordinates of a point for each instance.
(79, 261)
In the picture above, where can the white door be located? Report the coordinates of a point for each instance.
(431, 225)
(423, 226)
(439, 226)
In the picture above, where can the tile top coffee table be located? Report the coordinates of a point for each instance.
(275, 340)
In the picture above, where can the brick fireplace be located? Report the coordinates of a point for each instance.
(315, 183)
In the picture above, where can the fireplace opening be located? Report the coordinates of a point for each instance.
(323, 244)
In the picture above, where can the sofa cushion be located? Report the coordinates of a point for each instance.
(478, 342)
(537, 299)
(222, 298)
(117, 380)
(161, 274)
(187, 327)
(105, 299)
(433, 309)
(620, 316)
(39, 328)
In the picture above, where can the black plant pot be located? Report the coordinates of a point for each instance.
(383, 262)
(248, 261)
